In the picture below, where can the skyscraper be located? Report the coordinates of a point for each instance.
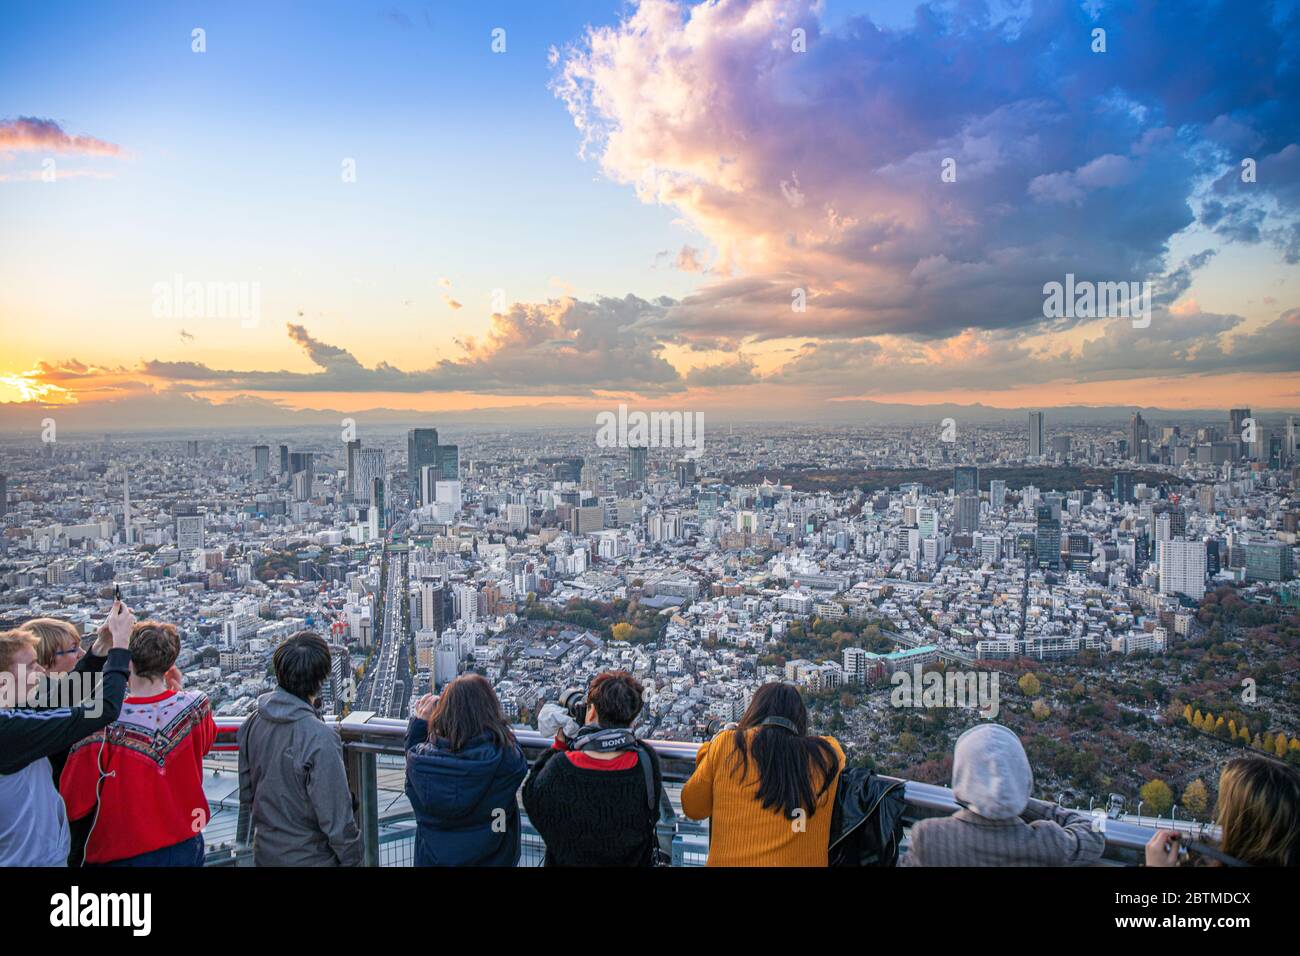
(1237, 423)
(302, 463)
(353, 453)
(1047, 539)
(637, 456)
(423, 451)
(1036, 431)
(967, 514)
(965, 478)
(1139, 438)
(1182, 567)
(1122, 486)
(4, 495)
(126, 507)
(370, 465)
(284, 459)
(261, 461)
(997, 494)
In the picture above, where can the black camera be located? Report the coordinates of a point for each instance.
(574, 700)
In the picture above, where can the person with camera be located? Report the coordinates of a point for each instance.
(595, 796)
(463, 770)
(33, 822)
(139, 781)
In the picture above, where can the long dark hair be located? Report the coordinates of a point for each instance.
(788, 760)
(467, 709)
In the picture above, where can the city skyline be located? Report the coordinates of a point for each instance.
(419, 215)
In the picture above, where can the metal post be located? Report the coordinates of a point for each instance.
(363, 781)
(364, 784)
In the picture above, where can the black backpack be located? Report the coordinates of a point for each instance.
(867, 822)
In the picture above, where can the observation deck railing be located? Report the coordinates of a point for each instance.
(374, 745)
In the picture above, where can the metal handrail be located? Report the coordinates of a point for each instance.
(365, 735)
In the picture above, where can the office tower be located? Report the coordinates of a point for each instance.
(353, 454)
(588, 519)
(261, 461)
(1122, 486)
(686, 472)
(431, 606)
(1268, 561)
(1061, 447)
(302, 463)
(1079, 548)
(4, 495)
(1182, 567)
(1047, 538)
(965, 478)
(284, 459)
(189, 528)
(192, 449)
(967, 512)
(377, 514)
(1213, 563)
(927, 522)
(637, 456)
(126, 508)
(1139, 438)
(1036, 434)
(423, 451)
(1237, 423)
(997, 494)
(1292, 436)
(370, 465)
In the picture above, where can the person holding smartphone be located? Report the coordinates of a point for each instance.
(33, 822)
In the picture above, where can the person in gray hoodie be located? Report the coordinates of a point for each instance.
(294, 802)
(998, 823)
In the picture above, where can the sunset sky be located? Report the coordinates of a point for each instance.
(621, 205)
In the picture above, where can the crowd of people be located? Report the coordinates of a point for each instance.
(115, 777)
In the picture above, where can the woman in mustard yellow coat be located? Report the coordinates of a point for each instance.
(767, 787)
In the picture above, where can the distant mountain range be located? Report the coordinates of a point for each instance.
(181, 412)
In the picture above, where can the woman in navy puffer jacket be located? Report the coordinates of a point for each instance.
(463, 770)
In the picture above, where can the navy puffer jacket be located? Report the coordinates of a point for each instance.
(465, 802)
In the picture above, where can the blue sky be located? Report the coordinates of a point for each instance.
(775, 170)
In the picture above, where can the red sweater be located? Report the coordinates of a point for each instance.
(150, 762)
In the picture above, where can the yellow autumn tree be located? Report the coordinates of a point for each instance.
(1187, 713)
(1157, 796)
(1198, 718)
(1279, 746)
(1029, 685)
(622, 631)
(1195, 797)
(1268, 741)
(1232, 728)
(1244, 734)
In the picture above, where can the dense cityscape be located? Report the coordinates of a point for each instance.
(1129, 587)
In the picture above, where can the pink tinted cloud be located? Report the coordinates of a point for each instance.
(32, 134)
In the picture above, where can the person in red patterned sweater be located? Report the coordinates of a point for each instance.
(139, 781)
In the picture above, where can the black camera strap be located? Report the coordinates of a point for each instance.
(595, 737)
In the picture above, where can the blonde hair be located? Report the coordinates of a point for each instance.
(52, 636)
(1259, 811)
(11, 642)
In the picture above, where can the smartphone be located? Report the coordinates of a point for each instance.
(117, 592)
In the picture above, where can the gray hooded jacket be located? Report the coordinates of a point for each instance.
(293, 790)
(999, 824)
